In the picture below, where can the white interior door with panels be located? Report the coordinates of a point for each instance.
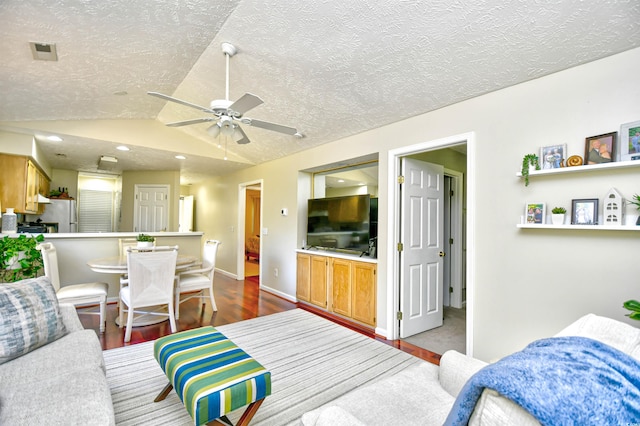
(151, 208)
(421, 258)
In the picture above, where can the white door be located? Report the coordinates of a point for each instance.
(421, 259)
(151, 208)
(185, 220)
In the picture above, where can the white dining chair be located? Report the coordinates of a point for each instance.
(197, 280)
(151, 275)
(79, 295)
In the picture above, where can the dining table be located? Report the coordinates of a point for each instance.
(118, 265)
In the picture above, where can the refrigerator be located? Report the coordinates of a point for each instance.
(62, 212)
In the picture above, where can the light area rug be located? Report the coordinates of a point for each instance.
(312, 361)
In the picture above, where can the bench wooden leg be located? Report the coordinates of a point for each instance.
(248, 414)
(162, 395)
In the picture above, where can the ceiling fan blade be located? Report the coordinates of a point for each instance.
(188, 122)
(244, 139)
(245, 103)
(180, 101)
(270, 126)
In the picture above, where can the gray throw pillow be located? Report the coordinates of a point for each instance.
(29, 317)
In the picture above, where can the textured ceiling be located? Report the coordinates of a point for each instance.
(329, 68)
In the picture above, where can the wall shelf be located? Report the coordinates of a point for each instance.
(578, 169)
(580, 227)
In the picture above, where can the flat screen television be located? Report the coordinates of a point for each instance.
(340, 223)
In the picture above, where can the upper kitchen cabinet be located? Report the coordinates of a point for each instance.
(20, 183)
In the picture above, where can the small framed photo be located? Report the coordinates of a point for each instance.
(584, 211)
(551, 156)
(629, 141)
(600, 149)
(534, 213)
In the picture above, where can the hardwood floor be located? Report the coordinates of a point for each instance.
(237, 301)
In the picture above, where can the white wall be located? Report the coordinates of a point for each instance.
(528, 283)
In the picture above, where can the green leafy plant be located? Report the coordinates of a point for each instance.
(634, 307)
(529, 160)
(19, 258)
(145, 237)
(558, 210)
(635, 201)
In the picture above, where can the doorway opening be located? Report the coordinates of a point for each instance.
(453, 298)
(249, 243)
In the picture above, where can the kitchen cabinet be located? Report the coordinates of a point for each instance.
(20, 183)
(339, 285)
(312, 279)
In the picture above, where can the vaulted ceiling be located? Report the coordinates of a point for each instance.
(329, 68)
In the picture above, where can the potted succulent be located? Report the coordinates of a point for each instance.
(529, 161)
(557, 215)
(19, 257)
(636, 202)
(145, 241)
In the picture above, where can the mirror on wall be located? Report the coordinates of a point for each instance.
(354, 179)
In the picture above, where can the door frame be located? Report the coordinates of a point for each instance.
(456, 277)
(393, 229)
(242, 212)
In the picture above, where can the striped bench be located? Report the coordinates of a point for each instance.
(211, 375)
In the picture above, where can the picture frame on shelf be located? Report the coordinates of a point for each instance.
(629, 142)
(534, 213)
(600, 149)
(584, 211)
(551, 157)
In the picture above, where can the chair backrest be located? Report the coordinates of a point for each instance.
(151, 275)
(124, 244)
(50, 262)
(209, 252)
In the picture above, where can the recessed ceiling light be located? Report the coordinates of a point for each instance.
(121, 93)
(54, 138)
(122, 148)
(340, 180)
(181, 157)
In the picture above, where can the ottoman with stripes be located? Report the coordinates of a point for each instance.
(211, 375)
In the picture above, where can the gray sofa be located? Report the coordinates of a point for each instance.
(60, 383)
(424, 394)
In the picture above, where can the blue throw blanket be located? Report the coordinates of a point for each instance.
(561, 381)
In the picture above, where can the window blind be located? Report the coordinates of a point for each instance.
(95, 211)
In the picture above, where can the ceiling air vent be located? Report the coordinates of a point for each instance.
(43, 51)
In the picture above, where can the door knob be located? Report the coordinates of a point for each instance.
(441, 254)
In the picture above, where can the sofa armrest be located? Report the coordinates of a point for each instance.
(456, 369)
(70, 317)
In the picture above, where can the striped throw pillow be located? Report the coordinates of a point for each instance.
(29, 317)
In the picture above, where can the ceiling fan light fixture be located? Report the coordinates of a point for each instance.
(214, 130)
(226, 126)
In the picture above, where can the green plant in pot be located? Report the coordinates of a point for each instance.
(19, 257)
(557, 215)
(145, 240)
(635, 200)
(529, 160)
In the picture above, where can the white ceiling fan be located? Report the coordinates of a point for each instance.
(226, 113)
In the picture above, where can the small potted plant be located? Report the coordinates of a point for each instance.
(557, 215)
(145, 241)
(19, 257)
(529, 161)
(636, 202)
